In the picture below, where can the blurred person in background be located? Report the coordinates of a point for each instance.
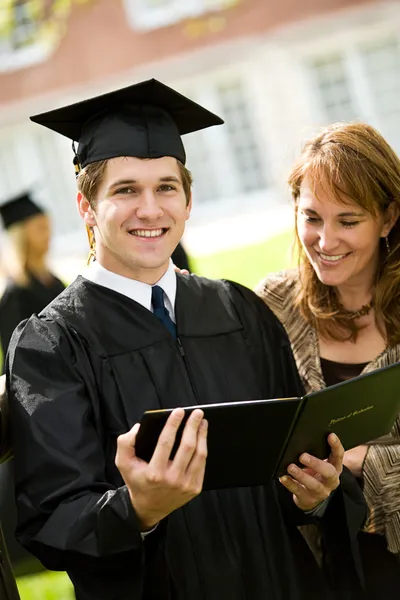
(180, 258)
(8, 586)
(341, 306)
(30, 285)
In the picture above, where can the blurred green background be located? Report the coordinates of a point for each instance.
(245, 265)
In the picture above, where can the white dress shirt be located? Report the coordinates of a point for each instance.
(134, 289)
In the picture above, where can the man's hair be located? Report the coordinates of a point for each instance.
(351, 161)
(90, 178)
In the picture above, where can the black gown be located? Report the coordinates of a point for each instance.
(82, 373)
(16, 304)
(20, 302)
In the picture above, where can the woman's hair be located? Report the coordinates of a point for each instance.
(351, 160)
(15, 255)
(90, 178)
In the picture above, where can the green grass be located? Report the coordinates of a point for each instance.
(45, 586)
(245, 265)
(250, 264)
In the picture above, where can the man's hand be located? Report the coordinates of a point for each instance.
(354, 459)
(161, 486)
(313, 484)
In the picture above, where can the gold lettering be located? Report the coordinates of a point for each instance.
(352, 414)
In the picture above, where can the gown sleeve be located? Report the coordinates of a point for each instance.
(69, 515)
(12, 312)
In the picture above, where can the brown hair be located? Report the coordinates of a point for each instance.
(353, 160)
(90, 178)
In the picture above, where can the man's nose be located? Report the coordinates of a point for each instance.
(149, 207)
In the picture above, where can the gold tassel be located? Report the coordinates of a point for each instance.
(89, 230)
(92, 245)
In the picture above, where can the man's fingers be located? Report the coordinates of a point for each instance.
(197, 465)
(166, 440)
(188, 444)
(126, 445)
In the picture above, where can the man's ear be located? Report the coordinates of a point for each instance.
(391, 216)
(85, 210)
(189, 206)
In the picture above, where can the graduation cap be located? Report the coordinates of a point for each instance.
(145, 120)
(19, 209)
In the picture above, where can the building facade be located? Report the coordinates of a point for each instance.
(274, 71)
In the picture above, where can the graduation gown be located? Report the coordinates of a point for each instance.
(20, 302)
(82, 373)
(16, 304)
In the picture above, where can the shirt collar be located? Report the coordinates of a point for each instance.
(136, 290)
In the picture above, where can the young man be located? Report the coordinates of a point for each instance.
(129, 336)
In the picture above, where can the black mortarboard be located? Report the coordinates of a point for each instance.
(144, 120)
(19, 209)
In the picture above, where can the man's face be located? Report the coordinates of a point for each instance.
(139, 216)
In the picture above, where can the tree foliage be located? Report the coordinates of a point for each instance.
(23, 22)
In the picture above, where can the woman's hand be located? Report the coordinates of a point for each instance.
(313, 484)
(354, 459)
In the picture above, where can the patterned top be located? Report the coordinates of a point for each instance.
(381, 469)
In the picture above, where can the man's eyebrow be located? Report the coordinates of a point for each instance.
(165, 179)
(170, 178)
(122, 182)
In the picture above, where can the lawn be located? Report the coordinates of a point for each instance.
(245, 265)
(250, 264)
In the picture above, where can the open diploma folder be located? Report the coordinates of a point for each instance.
(251, 442)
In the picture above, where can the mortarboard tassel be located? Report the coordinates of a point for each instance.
(89, 230)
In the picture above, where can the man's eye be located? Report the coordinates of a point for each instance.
(166, 187)
(125, 190)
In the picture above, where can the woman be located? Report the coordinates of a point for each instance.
(341, 307)
(30, 286)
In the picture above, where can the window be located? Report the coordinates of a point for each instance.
(239, 129)
(20, 41)
(151, 14)
(381, 63)
(362, 83)
(226, 161)
(200, 162)
(332, 83)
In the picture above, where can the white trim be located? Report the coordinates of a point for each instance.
(142, 15)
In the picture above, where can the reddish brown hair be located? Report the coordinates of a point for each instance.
(355, 161)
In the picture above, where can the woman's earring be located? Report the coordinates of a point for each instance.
(387, 245)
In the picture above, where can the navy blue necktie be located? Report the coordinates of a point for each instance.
(162, 314)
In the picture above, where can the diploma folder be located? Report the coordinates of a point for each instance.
(251, 442)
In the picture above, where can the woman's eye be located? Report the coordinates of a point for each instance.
(349, 224)
(311, 219)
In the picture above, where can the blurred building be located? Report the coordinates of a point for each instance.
(274, 69)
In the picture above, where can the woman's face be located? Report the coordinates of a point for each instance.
(38, 234)
(341, 241)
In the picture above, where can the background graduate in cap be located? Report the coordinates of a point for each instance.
(29, 288)
(131, 335)
(30, 284)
